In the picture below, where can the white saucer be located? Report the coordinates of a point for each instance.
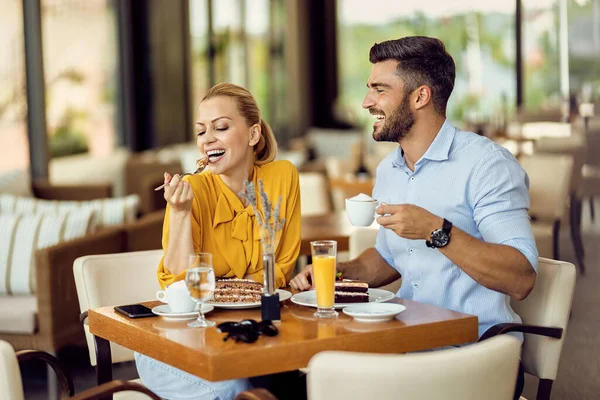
(165, 312)
(374, 312)
(309, 298)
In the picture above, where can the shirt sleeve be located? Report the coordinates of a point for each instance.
(499, 196)
(165, 277)
(289, 246)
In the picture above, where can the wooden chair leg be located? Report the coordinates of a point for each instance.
(555, 239)
(544, 389)
(576, 232)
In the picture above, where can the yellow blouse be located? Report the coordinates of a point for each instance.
(221, 225)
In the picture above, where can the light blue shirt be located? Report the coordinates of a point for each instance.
(478, 186)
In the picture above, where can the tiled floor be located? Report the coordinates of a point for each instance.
(578, 375)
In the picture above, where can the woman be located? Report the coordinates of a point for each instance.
(205, 213)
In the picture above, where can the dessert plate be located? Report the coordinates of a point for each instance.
(165, 312)
(283, 295)
(309, 298)
(374, 312)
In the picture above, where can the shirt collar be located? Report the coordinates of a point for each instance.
(439, 149)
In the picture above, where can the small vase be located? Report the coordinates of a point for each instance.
(270, 307)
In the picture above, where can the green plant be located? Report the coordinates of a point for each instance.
(68, 138)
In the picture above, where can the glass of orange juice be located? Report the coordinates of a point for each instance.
(324, 254)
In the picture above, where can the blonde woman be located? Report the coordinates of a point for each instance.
(205, 213)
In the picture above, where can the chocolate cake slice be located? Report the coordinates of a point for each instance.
(237, 291)
(348, 291)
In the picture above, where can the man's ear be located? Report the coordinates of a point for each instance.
(423, 96)
(255, 132)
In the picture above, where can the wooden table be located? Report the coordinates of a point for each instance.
(334, 226)
(202, 352)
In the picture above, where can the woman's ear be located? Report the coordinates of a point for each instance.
(255, 132)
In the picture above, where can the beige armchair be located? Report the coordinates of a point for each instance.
(545, 314)
(110, 280)
(485, 370)
(550, 181)
(11, 386)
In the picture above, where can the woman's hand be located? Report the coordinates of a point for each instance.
(300, 281)
(178, 194)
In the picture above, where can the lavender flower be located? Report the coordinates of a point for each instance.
(268, 221)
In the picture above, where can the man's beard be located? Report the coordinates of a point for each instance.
(397, 125)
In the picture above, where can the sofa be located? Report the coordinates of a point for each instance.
(48, 320)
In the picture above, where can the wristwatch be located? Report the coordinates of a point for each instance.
(440, 237)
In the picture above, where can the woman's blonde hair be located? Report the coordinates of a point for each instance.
(265, 150)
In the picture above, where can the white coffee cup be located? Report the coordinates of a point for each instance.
(361, 212)
(177, 297)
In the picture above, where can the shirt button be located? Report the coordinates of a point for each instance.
(411, 251)
(415, 285)
(412, 178)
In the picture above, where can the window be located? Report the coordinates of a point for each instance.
(13, 101)
(80, 68)
(247, 38)
(584, 49)
(541, 62)
(474, 32)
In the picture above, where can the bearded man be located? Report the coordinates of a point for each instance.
(454, 213)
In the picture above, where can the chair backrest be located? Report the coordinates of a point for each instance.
(361, 239)
(485, 370)
(11, 386)
(574, 145)
(314, 194)
(115, 279)
(550, 181)
(536, 130)
(548, 304)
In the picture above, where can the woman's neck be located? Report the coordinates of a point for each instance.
(235, 181)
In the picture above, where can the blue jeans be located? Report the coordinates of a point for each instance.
(174, 384)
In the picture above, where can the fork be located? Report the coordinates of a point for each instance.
(202, 163)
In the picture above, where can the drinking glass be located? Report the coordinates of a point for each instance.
(324, 254)
(200, 282)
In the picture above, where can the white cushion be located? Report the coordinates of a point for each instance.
(21, 235)
(16, 182)
(11, 385)
(18, 314)
(111, 211)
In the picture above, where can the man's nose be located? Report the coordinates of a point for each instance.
(368, 102)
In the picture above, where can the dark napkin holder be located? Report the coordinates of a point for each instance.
(270, 307)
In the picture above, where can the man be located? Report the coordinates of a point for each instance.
(453, 214)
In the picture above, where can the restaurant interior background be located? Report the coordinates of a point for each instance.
(86, 85)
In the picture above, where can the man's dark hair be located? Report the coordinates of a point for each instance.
(421, 61)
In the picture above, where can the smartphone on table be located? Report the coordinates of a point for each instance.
(135, 311)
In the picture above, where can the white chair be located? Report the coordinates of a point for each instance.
(362, 239)
(550, 180)
(314, 194)
(486, 370)
(11, 385)
(574, 146)
(545, 314)
(115, 279)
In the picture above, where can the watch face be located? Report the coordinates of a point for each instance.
(440, 238)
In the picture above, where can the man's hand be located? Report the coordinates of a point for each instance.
(408, 221)
(300, 281)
